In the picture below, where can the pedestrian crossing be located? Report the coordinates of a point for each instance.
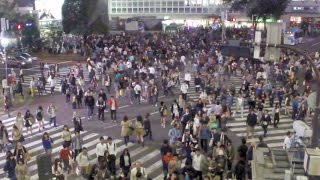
(275, 136)
(149, 156)
(63, 71)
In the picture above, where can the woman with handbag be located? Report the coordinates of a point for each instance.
(21, 153)
(126, 129)
(125, 162)
(39, 117)
(29, 120)
(22, 171)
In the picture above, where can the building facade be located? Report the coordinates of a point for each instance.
(162, 8)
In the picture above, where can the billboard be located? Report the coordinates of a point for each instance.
(49, 9)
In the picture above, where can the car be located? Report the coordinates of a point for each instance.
(29, 57)
(17, 62)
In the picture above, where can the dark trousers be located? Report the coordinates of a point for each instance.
(184, 96)
(76, 153)
(54, 121)
(276, 119)
(101, 114)
(204, 145)
(265, 130)
(137, 97)
(79, 102)
(199, 175)
(112, 164)
(113, 115)
(218, 117)
(148, 133)
(126, 140)
(51, 90)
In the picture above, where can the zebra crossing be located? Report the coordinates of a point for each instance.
(275, 136)
(63, 71)
(149, 156)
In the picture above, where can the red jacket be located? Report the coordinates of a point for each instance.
(65, 154)
(110, 103)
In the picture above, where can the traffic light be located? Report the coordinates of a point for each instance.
(19, 27)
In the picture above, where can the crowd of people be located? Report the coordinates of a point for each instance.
(141, 66)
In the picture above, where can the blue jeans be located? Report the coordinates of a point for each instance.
(54, 121)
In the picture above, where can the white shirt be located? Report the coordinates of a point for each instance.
(137, 88)
(152, 70)
(184, 88)
(101, 148)
(217, 110)
(83, 160)
(112, 148)
(187, 77)
(196, 161)
(4, 83)
(287, 143)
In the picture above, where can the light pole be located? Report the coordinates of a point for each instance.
(4, 44)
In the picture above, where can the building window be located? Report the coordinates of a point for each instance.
(134, 4)
(158, 3)
(129, 4)
(146, 4)
(151, 4)
(129, 10)
(124, 4)
(175, 3)
(193, 10)
(164, 4)
(175, 10)
(152, 10)
(199, 10)
(181, 3)
(181, 10)
(124, 10)
(113, 10)
(140, 10)
(118, 4)
(158, 10)
(169, 3)
(134, 10)
(118, 10)
(163, 10)
(205, 10)
(169, 10)
(187, 10)
(140, 4)
(114, 4)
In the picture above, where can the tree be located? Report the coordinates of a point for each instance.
(84, 17)
(30, 33)
(260, 9)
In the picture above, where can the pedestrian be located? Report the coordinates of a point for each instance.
(66, 136)
(251, 123)
(52, 112)
(32, 87)
(198, 161)
(138, 172)
(21, 153)
(6, 102)
(39, 117)
(163, 110)
(230, 155)
(77, 144)
(174, 134)
(125, 162)
(79, 96)
(47, 142)
(240, 104)
(83, 162)
(137, 91)
(90, 102)
(10, 166)
(276, 115)
(261, 143)
(77, 122)
(126, 129)
(52, 84)
(242, 150)
(101, 104)
(265, 121)
(113, 105)
(287, 141)
(16, 135)
(147, 127)
(22, 170)
(165, 163)
(184, 90)
(74, 102)
(65, 156)
(101, 148)
(19, 122)
(175, 109)
(57, 169)
(139, 130)
(112, 149)
(29, 121)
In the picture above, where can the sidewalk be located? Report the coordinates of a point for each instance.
(18, 101)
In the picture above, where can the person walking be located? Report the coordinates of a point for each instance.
(265, 121)
(10, 166)
(83, 161)
(39, 117)
(112, 149)
(47, 142)
(29, 121)
(65, 156)
(276, 115)
(52, 84)
(16, 135)
(126, 129)
(139, 130)
(77, 144)
(6, 101)
(101, 104)
(113, 105)
(147, 127)
(19, 122)
(66, 136)
(101, 148)
(251, 123)
(163, 110)
(138, 172)
(125, 162)
(32, 87)
(77, 122)
(90, 102)
(52, 112)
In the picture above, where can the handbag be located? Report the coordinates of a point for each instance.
(27, 157)
(21, 138)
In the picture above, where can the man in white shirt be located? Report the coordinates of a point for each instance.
(197, 160)
(52, 84)
(187, 78)
(287, 141)
(101, 148)
(112, 149)
(240, 104)
(137, 92)
(184, 90)
(218, 111)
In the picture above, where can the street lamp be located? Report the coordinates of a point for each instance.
(4, 44)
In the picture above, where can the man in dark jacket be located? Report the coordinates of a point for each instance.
(90, 102)
(251, 123)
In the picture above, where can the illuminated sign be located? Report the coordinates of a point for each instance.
(49, 9)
